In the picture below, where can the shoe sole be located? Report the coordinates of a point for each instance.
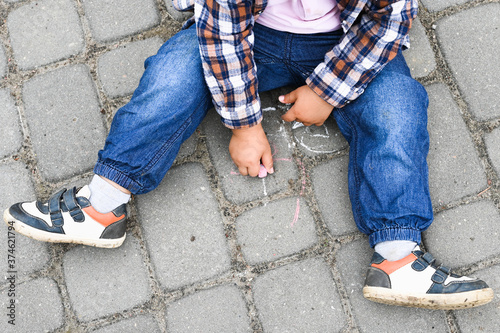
(463, 300)
(46, 236)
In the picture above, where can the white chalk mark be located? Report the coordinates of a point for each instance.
(314, 150)
(308, 132)
(297, 124)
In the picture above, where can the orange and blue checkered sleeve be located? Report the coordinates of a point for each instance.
(375, 38)
(226, 41)
(183, 5)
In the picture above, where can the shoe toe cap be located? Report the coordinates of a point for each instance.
(19, 214)
(458, 287)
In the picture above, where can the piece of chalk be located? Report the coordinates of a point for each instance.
(262, 171)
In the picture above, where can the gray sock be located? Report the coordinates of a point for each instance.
(395, 250)
(104, 197)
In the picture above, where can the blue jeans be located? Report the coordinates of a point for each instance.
(386, 127)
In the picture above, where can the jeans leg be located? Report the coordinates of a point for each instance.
(171, 101)
(386, 128)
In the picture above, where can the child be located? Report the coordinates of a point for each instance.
(345, 59)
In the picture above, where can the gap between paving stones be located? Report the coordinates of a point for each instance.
(477, 129)
(444, 75)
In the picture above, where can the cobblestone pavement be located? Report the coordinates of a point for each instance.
(212, 251)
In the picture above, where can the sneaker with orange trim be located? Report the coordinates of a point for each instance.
(68, 217)
(418, 281)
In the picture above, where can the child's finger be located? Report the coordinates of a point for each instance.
(267, 162)
(253, 170)
(288, 98)
(243, 171)
(289, 116)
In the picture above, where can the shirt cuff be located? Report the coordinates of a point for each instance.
(244, 117)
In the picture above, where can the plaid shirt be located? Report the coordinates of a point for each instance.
(374, 31)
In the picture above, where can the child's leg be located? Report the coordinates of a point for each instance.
(388, 184)
(387, 132)
(171, 101)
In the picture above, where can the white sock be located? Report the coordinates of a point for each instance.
(395, 250)
(104, 197)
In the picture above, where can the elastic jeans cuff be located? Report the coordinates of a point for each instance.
(395, 234)
(117, 176)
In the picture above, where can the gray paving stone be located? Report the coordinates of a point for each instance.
(15, 184)
(145, 324)
(45, 31)
(104, 281)
(30, 255)
(120, 70)
(240, 189)
(10, 131)
(217, 310)
(65, 122)
(454, 167)
(188, 147)
(484, 318)
(177, 15)
(492, 141)
(437, 5)
(299, 297)
(114, 19)
(183, 248)
(38, 307)
(419, 57)
(465, 234)
(330, 187)
(3, 62)
(275, 230)
(353, 260)
(314, 140)
(468, 40)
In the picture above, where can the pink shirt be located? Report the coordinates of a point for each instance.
(301, 16)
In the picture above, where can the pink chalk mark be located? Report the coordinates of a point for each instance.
(274, 151)
(262, 171)
(296, 216)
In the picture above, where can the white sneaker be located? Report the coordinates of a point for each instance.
(417, 281)
(68, 217)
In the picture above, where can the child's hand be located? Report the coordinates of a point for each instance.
(308, 107)
(248, 147)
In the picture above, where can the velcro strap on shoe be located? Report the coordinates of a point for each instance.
(69, 200)
(419, 265)
(423, 262)
(428, 258)
(440, 275)
(445, 270)
(55, 208)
